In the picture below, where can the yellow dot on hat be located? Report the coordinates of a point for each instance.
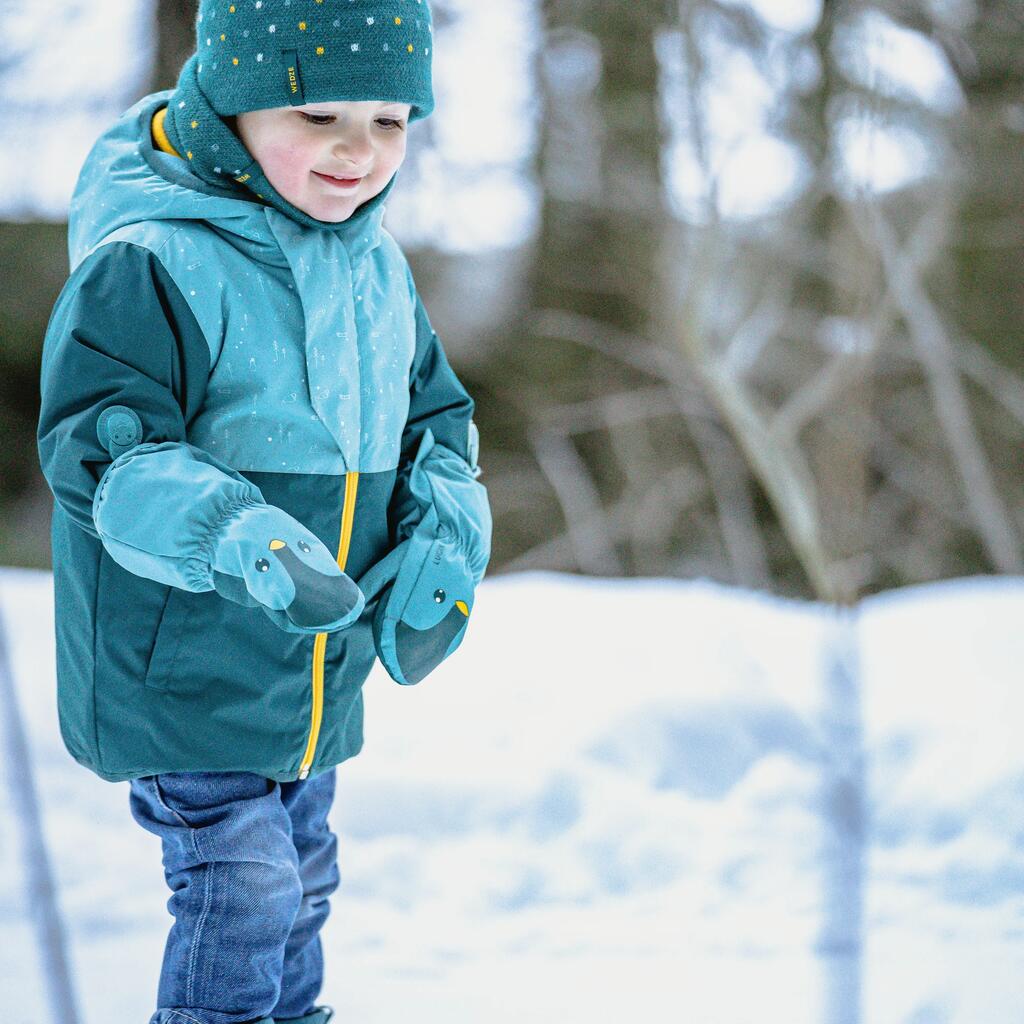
(222, 37)
(319, 51)
(195, 124)
(302, 26)
(234, 60)
(410, 47)
(398, 21)
(189, 154)
(231, 9)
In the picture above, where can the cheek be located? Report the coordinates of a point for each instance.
(286, 164)
(393, 156)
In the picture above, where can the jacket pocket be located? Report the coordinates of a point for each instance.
(170, 638)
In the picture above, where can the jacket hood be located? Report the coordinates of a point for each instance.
(126, 179)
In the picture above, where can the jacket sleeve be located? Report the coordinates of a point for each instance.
(438, 402)
(125, 367)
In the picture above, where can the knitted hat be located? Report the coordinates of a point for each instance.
(256, 54)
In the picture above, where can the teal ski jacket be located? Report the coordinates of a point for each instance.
(228, 399)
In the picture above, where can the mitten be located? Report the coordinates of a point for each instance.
(263, 556)
(425, 587)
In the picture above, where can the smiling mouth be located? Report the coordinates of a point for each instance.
(348, 183)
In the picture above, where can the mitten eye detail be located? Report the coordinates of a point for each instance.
(262, 565)
(439, 595)
(303, 546)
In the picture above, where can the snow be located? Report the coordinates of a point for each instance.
(612, 803)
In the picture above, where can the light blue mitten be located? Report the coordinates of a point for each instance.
(426, 584)
(265, 557)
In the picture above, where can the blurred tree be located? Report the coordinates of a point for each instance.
(824, 399)
(845, 386)
(606, 443)
(175, 40)
(34, 258)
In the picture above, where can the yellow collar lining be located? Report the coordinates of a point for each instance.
(159, 135)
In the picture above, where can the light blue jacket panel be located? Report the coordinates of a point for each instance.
(311, 332)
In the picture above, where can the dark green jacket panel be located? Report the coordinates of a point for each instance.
(438, 401)
(153, 678)
(120, 333)
(74, 601)
(437, 398)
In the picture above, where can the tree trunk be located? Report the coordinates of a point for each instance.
(175, 40)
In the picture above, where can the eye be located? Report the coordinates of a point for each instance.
(303, 546)
(439, 595)
(262, 565)
(388, 123)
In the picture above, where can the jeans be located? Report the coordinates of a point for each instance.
(251, 863)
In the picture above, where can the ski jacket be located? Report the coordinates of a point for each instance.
(209, 356)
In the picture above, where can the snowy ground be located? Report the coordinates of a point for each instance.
(618, 801)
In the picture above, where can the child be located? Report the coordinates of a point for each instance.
(239, 380)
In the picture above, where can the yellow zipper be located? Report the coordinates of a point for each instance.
(320, 641)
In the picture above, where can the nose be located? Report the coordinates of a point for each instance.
(354, 146)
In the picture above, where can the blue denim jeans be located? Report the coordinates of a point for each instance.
(251, 864)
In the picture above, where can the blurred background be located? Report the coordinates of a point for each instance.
(736, 287)
(734, 284)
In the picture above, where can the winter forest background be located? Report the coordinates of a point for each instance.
(733, 284)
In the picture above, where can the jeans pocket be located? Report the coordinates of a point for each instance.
(161, 799)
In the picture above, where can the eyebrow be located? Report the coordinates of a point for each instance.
(388, 104)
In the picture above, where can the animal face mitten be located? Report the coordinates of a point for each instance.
(264, 557)
(427, 583)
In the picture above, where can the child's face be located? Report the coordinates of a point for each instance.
(302, 149)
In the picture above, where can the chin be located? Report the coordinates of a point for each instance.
(330, 213)
(329, 218)
(325, 215)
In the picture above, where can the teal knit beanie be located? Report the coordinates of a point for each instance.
(256, 54)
